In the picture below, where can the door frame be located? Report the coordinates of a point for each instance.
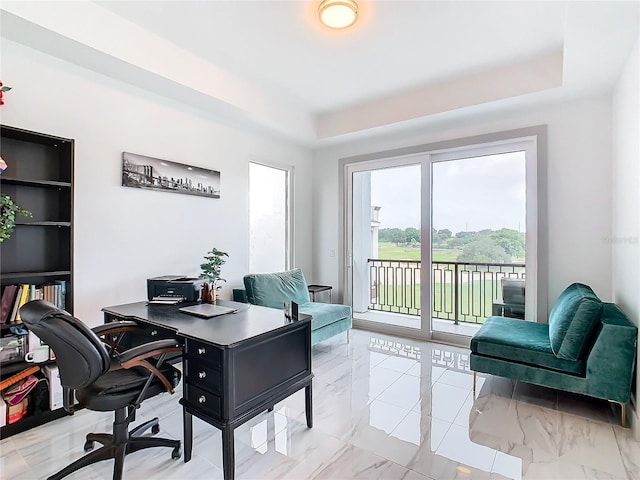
(536, 182)
(420, 159)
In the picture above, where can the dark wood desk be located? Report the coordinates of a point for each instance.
(235, 366)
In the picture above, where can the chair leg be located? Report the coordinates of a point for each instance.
(103, 453)
(475, 377)
(102, 438)
(348, 337)
(119, 453)
(140, 443)
(623, 407)
(154, 424)
(119, 444)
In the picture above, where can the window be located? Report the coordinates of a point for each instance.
(269, 218)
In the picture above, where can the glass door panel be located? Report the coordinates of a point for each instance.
(478, 240)
(386, 245)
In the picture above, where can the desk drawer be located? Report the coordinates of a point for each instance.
(209, 403)
(204, 352)
(202, 374)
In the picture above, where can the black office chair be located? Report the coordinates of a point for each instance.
(105, 380)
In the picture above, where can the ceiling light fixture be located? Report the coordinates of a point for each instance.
(338, 13)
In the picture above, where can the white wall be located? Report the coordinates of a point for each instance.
(579, 186)
(625, 237)
(124, 235)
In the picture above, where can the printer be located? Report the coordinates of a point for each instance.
(174, 289)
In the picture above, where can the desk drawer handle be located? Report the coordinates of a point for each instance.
(202, 374)
(154, 333)
(202, 399)
(201, 350)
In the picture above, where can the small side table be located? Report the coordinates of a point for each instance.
(313, 289)
(501, 308)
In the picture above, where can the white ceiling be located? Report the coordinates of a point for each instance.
(294, 76)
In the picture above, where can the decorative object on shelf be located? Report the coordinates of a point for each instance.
(211, 271)
(150, 173)
(2, 90)
(3, 165)
(8, 211)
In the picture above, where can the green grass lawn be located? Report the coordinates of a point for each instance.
(390, 251)
(475, 298)
(474, 309)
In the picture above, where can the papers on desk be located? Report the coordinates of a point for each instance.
(166, 300)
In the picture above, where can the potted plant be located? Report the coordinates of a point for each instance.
(8, 211)
(211, 271)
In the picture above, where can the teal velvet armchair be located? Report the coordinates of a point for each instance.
(274, 289)
(588, 347)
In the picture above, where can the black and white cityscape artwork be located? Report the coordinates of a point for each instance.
(139, 171)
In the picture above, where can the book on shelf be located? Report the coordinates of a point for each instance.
(16, 304)
(24, 298)
(23, 293)
(8, 301)
(62, 294)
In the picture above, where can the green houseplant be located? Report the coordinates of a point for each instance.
(211, 271)
(8, 211)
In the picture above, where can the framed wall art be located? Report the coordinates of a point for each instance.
(140, 171)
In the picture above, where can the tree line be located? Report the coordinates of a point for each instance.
(491, 246)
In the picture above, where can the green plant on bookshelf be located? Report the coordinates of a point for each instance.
(8, 211)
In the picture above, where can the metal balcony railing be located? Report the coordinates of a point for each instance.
(461, 291)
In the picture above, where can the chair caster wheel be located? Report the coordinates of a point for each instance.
(88, 445)
(176, 453)
(155, 429)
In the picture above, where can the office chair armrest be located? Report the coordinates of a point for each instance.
(136, 357)
(108, 331)
(150, 349)
(116, 327)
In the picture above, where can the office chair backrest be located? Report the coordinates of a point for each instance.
(80, 354)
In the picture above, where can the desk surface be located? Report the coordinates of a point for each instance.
(224, 331)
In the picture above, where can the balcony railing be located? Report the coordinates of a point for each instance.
(461, 291)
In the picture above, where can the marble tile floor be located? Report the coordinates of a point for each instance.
(384, 408)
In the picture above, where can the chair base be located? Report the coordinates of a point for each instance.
(118, 445)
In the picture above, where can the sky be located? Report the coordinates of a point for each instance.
(468, 195)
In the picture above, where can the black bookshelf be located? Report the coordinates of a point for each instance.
(39, 178)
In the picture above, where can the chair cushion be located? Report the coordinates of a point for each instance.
(573, 320)
(521, 341)
(120, 387)
(273, 289)
(325, 313)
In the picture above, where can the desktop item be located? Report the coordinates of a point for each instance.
(172, 289)
(207, 310)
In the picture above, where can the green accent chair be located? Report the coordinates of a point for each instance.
(274, 289)
(588, 347)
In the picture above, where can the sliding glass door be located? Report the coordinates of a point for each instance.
(438, 241)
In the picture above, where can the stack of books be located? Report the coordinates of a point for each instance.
(14, 296)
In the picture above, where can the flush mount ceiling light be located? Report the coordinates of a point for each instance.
(338, 13)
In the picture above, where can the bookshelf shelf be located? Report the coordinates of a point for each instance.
(44, 224)
(22, 275)
(39, 253)
(35, 183)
